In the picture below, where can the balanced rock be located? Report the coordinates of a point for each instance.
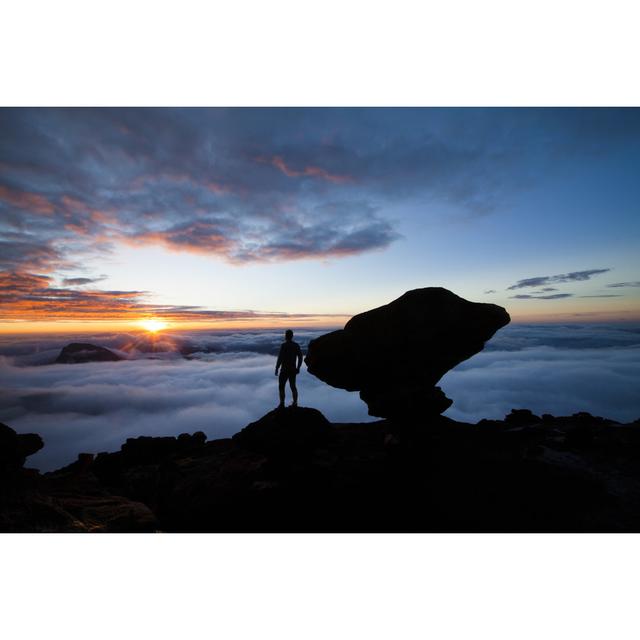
(80, 352)
(395, 354)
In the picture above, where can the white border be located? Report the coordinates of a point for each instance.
(335, 52)
(319, 586)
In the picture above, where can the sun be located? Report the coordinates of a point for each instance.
(152, 325)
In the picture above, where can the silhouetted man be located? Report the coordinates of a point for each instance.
(289, 352)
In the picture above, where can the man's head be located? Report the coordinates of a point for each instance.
(288, 334)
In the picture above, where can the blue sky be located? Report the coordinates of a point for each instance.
(187, 213)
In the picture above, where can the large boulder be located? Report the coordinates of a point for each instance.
(395, 354)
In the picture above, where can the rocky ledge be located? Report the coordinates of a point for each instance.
(71, 501)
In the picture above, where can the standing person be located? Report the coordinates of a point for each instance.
(289, 352)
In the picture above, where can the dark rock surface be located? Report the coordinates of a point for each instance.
(521, 417)
(79, 352)
(294, 471)
(395, 354)
(14, 448)
(285, 432)
(70, 500)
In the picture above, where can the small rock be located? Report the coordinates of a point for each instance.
(521, 417)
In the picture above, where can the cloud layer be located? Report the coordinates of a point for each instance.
(558, 369)
(94, 407)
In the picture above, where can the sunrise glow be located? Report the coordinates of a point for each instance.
(153, 325)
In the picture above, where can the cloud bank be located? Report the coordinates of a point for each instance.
(229, 382)
(94, 408)
(557, 369)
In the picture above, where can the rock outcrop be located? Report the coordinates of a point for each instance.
(395, 354)
(70, 500)
(80, 352)
(292, 471)
(286, 432)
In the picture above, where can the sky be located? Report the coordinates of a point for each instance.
(266, 217)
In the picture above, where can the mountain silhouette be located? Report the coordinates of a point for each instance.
(79, 352)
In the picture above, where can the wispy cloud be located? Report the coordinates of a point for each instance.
(553, 296)
(78, 282)
(574, 276)
(32, 202)
(34, 297)
(625, 284)
(308, 171)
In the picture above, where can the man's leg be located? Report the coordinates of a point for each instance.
(294, 389)
(282, 379)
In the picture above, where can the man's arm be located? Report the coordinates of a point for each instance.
(299, 359)
(279, 360)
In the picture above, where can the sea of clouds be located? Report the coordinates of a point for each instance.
(228, 381)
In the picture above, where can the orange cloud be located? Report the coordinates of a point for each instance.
(316, 172)
(73, 204)
(26, 297)
(104, 217)
(197, 237)
(80, 229)
(217, 188)
(179, 178)
(25, 200)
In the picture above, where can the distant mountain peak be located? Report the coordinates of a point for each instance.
(79, 352)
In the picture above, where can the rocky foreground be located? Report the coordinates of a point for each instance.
(293, 471)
